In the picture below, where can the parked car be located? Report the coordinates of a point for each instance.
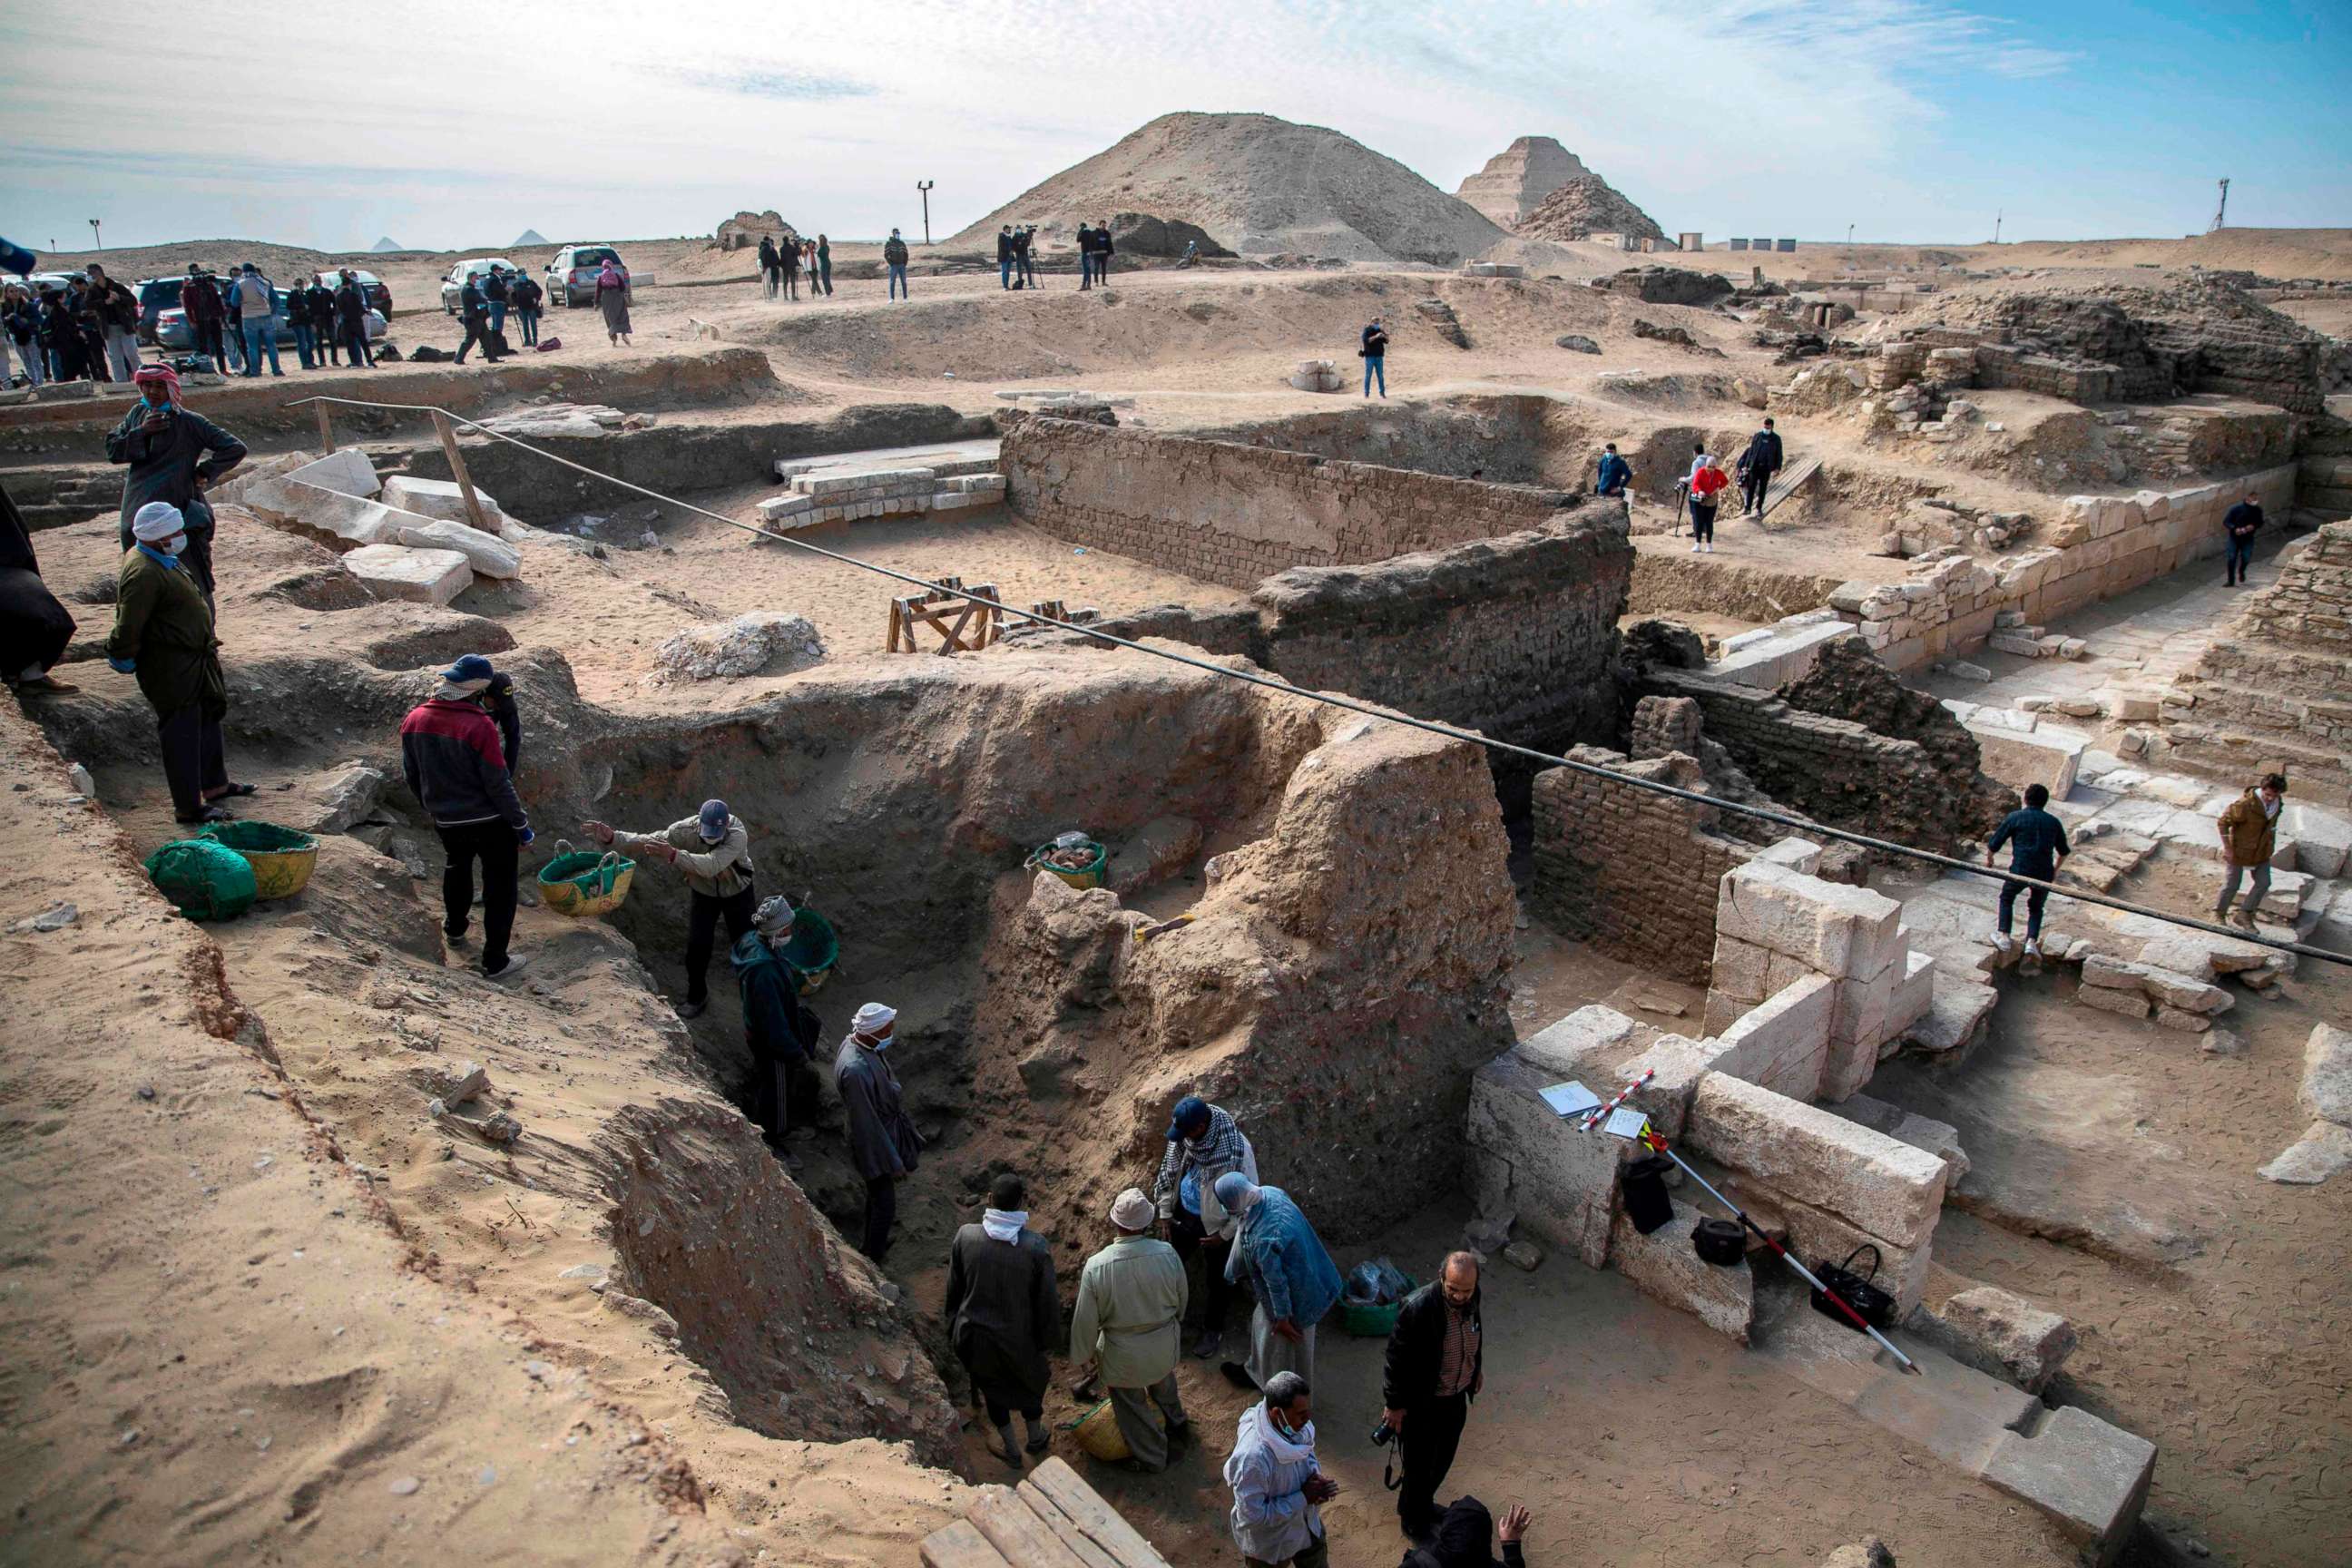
(571, 276)
(172, 331)
(453, 285)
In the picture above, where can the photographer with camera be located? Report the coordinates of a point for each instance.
(1435, 1367)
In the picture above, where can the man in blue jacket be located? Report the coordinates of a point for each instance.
(2037, 848)
(1289, 1272)
(455, 762)
(1615, 474)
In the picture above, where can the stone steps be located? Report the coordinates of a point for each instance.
(894, 482)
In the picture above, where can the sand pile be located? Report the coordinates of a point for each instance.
(1516, 180)
(1261, 186)
(1587, 206)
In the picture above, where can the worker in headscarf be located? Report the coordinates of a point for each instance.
(1130, 1311)
(455, 764)
(1001, 1311)
(33, 627)
(173, 456)
(778, 1031)
(1204, 1141)
(1464, 1538)
(883, 1143)
(713, 849)
(163, 635)
(1289, 1273)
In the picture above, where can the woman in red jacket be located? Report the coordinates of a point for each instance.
(1707, 483)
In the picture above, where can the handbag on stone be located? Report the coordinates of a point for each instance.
(1859, 1291)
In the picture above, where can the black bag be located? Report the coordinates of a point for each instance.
(1722, 1242)
(1646, 1202)
(1860, 1291)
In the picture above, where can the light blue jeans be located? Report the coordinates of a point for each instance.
(260, 338)
(1376, 366)
(899, 281)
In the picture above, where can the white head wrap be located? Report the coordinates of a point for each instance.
(1131, 1211)
(873, 1018)
(773, 918)
(156, 521)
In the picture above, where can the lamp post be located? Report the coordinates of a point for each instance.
(94, 243)
(925, 186)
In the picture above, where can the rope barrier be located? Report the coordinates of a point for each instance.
(1390, 716)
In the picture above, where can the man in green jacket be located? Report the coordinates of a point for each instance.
(713, 849)
(163, 635)
(173, 456)
(1130, 1306)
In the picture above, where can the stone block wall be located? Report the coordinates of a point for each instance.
(1234, 514)
(2101, 546)
(1634, 873)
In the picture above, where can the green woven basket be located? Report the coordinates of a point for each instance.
(205, 881)
(282, 858)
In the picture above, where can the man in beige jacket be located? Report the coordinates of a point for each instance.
(1131, 1309)
(713, 848)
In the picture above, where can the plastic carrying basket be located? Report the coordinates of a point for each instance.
(282, 858)
(1365, 1320)
(580, 882)
(205, 881)
(1091, 876)
(812, 950)
(1099, 1434)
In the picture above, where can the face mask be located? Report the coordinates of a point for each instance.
(172, 546)
(884, 1042)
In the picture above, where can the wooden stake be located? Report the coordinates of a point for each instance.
(443, 428)
(326, 426)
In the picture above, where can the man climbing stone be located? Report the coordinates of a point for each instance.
(2249, 828)
(2037, 848)
(713, 849)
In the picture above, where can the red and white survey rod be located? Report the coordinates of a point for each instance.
(1651, 1139)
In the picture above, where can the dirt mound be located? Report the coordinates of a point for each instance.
(1262, 187)
(1516, 180)
(1588, 205)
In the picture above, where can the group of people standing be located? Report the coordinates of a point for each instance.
(235, 324)
(89, 329)
(782, 264)
(1702, 489)
(485, 301)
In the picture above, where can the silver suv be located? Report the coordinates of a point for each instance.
(572, 277)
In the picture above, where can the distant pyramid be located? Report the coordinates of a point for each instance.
(387, 242)
(1516, 181)
(528, 237)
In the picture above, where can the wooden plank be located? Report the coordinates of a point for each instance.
(1101, 1524)
(1013, 1529)
(960, 1545)
(1065, 1527)
(326, 426)
(1790, 483)
(449, 435)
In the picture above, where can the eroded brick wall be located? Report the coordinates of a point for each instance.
(1228, 513)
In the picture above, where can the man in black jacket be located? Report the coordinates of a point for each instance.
(1004, 257)
(1435, 1367)
(778, 1030)
(455, 764)
(2239, 526)
(1757, 465)
(324, 341)
(1086, 256)
(351, 322)
(474, 310)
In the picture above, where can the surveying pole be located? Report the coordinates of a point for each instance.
(2221, 211)
(925, 186)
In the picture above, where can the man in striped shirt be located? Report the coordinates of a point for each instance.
(1204, 1143)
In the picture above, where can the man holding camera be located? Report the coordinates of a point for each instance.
(1435, 1367)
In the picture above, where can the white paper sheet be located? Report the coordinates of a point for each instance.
(1625, 1122)
(1570, 1099)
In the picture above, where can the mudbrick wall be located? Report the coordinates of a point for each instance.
(2277, 690)
(1233, 514)
(1633, 872)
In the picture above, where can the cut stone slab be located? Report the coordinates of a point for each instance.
(1586, 1046)
(1887, 1188)
(1783, 1041)
(1940, 1138)
(1524, 1159)
(2088, 1475)
(398, 571)
(2024, 1341)
(1663, 1264)
(2326, 1091)
(2324, 1148)
(438, 498)
(1676, 1063)
(2049, 755)
(1834, 928)
(2128, 1003)
(486, 553)
(1955, 1013)
(346, 471)
(342, 800)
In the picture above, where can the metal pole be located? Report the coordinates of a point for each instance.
(95, 242)
(925, 186)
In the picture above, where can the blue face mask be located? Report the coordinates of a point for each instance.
(884, 1042)
(174, 544)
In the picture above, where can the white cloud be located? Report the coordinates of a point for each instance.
(446, 125)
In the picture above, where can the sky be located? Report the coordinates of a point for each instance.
(454, 126)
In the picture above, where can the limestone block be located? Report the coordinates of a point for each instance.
(2025, 1341)
(1663, 1264)
(1563, 1183)
(2186, 1022)
(439, 499)
(2048, 757)
(1887, 1188)
(1819, 1237)
(1783, 1042)
(337, 803)
(2324, 1148)
(346, 471)
(762, 642)
(1797, 854)
(1678, 1063)
(1955, 1010)
(1940, 1138)
(2129, 1003)
(2190, 995)
(1738, 972)
(1914, 994)
(486, 553)
(1857, 1028)
(2088, 1475)
(397, 572)
(2326, 1091)
(1586, 1046)
(1834, 927)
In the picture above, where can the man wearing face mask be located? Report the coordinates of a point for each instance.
(173, 456)
(163, 635)
(883, 1143)
(1278, 1484)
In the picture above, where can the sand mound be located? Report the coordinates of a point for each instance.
(1262, 187)
(1516, 180)
(1588, 205)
